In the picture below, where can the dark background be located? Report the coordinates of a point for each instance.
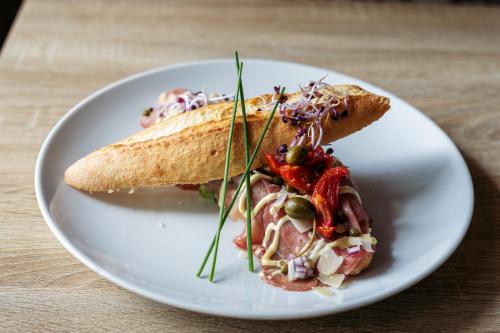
(8, 11)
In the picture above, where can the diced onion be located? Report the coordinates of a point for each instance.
(299, 269)
(354, 249)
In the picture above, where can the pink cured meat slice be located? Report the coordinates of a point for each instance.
(357, 217)
(263, 217)
(354, 263)
(281, 281)
(291, 241)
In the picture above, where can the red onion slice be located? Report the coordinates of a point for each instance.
(354, 250)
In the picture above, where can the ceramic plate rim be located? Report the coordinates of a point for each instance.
(360, 302)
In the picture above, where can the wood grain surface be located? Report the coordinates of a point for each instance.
(444, 59)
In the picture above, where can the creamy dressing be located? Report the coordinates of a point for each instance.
(271, 250)
(347, 241)
(264, 201)
(268, 198)
(315, 250)
(341, 243)
(253, 180)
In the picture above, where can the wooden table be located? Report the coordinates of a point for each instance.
(443, 59)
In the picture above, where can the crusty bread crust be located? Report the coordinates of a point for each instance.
(190, 148)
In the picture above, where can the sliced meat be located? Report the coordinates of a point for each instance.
(291, 241)
(170, 96)
(353, 209)
(354, 263)
(355, 213)
(213, 186)
(281, 280)
(150, 119)
(263, 217)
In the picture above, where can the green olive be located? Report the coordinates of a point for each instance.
(277, 180)
(340, 216)
(296, 155)
(353, 232)
(300, 208)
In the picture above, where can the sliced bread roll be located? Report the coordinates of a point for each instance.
(190, 148)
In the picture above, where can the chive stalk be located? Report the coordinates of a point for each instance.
(239, 67)
(245, 174)
(226, 174)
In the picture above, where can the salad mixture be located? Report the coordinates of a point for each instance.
(308, 225)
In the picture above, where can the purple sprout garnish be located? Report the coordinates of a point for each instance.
(317, 100)
(335, 115)
(188, 101)
(282, 99)
(283, 149)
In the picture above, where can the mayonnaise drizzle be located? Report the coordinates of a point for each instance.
(271, 250)
(253, 179)
(264, 201)
(347, 241)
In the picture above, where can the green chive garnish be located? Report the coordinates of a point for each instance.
(239, 67)
(245, 174)
(226, 173)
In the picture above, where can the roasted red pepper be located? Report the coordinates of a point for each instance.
(325, 198)
(317, 157)
(305, 178)
(273, 164)
(298, 176)
(302, 177)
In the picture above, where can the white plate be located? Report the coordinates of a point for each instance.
(413, 181)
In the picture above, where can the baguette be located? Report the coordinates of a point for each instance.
(190, 148)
